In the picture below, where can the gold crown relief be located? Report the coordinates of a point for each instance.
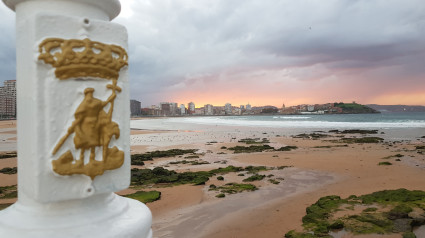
(83, 58)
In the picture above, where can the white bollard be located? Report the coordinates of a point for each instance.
(73, 123)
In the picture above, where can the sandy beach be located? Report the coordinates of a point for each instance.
(273, 210)
(317, 168)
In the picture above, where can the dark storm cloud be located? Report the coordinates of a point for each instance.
(7, 44)
(181, 44)
(183, 39)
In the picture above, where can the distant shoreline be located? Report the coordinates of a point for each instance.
(263, 114)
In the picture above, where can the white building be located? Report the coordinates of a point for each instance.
(8, 99)
(228, 108)
(237, 111)
(248, 107)
(191, 108)
(209, 109)
(174, 109)
(182, 109)
(155, 107)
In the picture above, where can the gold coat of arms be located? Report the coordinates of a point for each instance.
(92, 127)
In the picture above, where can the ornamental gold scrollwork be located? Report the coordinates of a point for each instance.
(93, 126)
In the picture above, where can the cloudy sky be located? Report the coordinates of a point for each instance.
(267, 51)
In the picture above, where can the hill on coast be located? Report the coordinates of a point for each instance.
(355, 108)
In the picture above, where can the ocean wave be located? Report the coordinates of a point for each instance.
(294, 117)
(291, 117)
(300, 124)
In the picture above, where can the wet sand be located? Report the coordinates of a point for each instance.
(357, 173)
(7, 144)
(219, 215)
(7, 136)
(273, 210)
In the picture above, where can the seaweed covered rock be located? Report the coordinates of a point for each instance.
(137, 159)
(402, 225)
(399, 211)
(383, 212)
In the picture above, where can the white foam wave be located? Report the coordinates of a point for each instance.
(298, 124)
(294, 117)
(290, 117)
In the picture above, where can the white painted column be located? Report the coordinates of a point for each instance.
(73, 123)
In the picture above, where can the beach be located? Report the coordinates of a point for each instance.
(318, 167)
(273, 210)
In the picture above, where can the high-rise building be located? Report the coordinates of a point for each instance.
(135, 108)
(182, 109)
(8, 99)
(248, 107)
(165, 108)
(174, 109)
(191, 108)
(228, 108)
(169, 108)
(208, 109)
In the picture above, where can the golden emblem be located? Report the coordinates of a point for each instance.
(82, 58)
(93, 126)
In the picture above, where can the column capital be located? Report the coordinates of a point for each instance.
(111, 7)
(73, 124)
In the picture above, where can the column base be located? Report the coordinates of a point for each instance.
(103, 215)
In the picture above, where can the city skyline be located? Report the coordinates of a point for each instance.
(295, 52)
(173, 109)
(191, 109)
(200, 105)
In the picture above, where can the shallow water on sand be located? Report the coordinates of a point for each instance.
(198, 220)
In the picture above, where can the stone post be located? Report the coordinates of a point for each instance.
(73, 123)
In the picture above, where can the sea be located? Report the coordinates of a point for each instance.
(394, 126)
(325, 121)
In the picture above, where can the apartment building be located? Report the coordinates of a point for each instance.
(228, 109)
(208, 109)
(8, 99)
(191, 108)
(135, 108)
